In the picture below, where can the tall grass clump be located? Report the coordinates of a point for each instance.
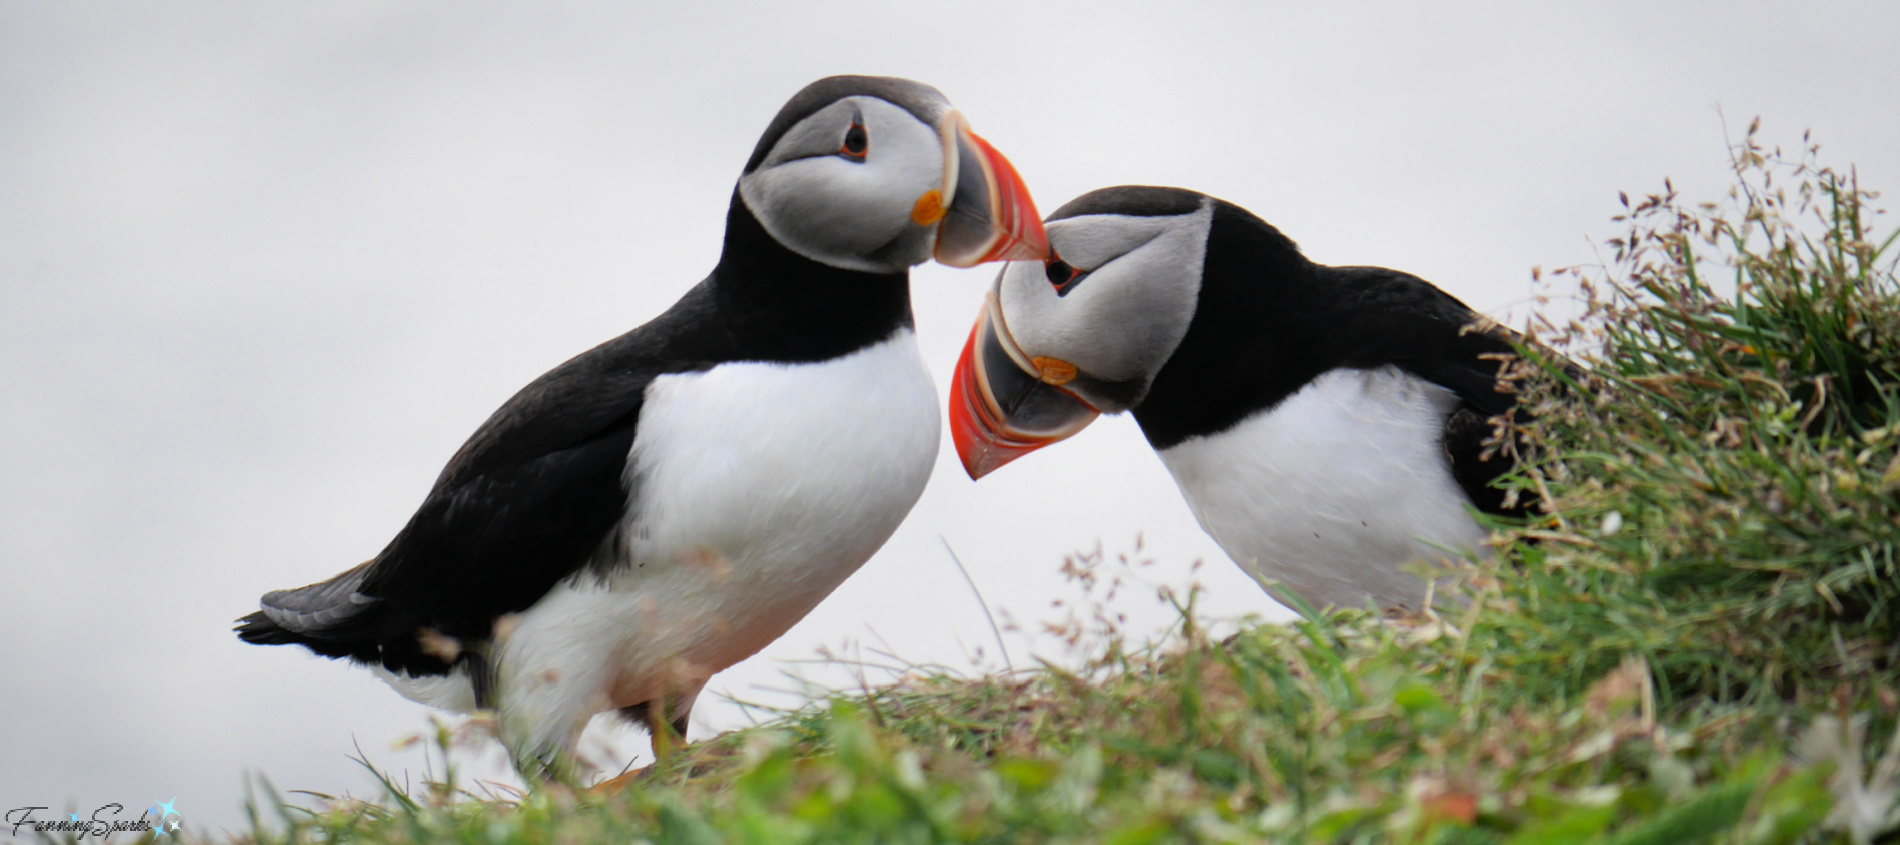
(1691, 640)
(1724, 486)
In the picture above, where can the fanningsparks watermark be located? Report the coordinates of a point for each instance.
(160, 819)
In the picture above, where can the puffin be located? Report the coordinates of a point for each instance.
(669, 502)
(1327, 426)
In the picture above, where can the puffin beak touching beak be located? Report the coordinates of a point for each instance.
(985, 207)
(1003, 404)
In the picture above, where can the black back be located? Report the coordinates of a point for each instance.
(537, 493)
(1269, 321)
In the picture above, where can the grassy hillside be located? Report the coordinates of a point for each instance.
(1696, 642)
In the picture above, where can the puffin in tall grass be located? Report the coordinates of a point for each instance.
(669, 502)
(1326, 425)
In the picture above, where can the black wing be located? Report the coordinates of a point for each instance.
(1406, 321)
(525, 503)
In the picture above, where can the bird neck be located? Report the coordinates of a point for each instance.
(782, 306)
(1258, 333)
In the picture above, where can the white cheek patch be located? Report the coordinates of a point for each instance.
(841, 212)
(1125, 319)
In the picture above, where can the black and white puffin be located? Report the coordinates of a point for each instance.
(1325, 424)
(666, 504)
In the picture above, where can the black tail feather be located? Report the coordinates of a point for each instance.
(330, 618)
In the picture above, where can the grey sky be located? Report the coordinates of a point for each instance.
(264, 266)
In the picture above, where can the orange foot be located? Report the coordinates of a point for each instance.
(614, 785)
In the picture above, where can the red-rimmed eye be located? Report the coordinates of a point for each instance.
(1062, 275)
(856, 142)
(1059, 272)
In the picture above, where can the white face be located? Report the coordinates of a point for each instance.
(1122, 320)
(817, 194)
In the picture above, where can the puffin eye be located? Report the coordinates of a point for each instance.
(1064, 276)
(856, 141)
(1059, 272)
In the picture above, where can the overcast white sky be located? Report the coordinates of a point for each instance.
(264, 266)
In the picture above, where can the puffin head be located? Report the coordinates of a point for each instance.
(877, 174)
(1084, 331)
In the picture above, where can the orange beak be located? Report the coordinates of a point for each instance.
(989, 215)
(1002, 405)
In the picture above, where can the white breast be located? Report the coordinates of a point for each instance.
(759, 487)
(1335, 490)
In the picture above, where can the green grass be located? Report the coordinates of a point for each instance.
(1694, 642)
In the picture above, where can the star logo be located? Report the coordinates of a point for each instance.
(74, 815)
(165, 813)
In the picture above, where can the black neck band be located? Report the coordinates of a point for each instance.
(781, 306)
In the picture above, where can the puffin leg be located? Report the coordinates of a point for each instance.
(668, 734)
(667, 730)
(547, 766)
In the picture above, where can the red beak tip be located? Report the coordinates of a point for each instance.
(980, 465)
(978, 457)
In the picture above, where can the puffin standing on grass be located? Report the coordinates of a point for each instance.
(1326, 425)
(666, 504)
